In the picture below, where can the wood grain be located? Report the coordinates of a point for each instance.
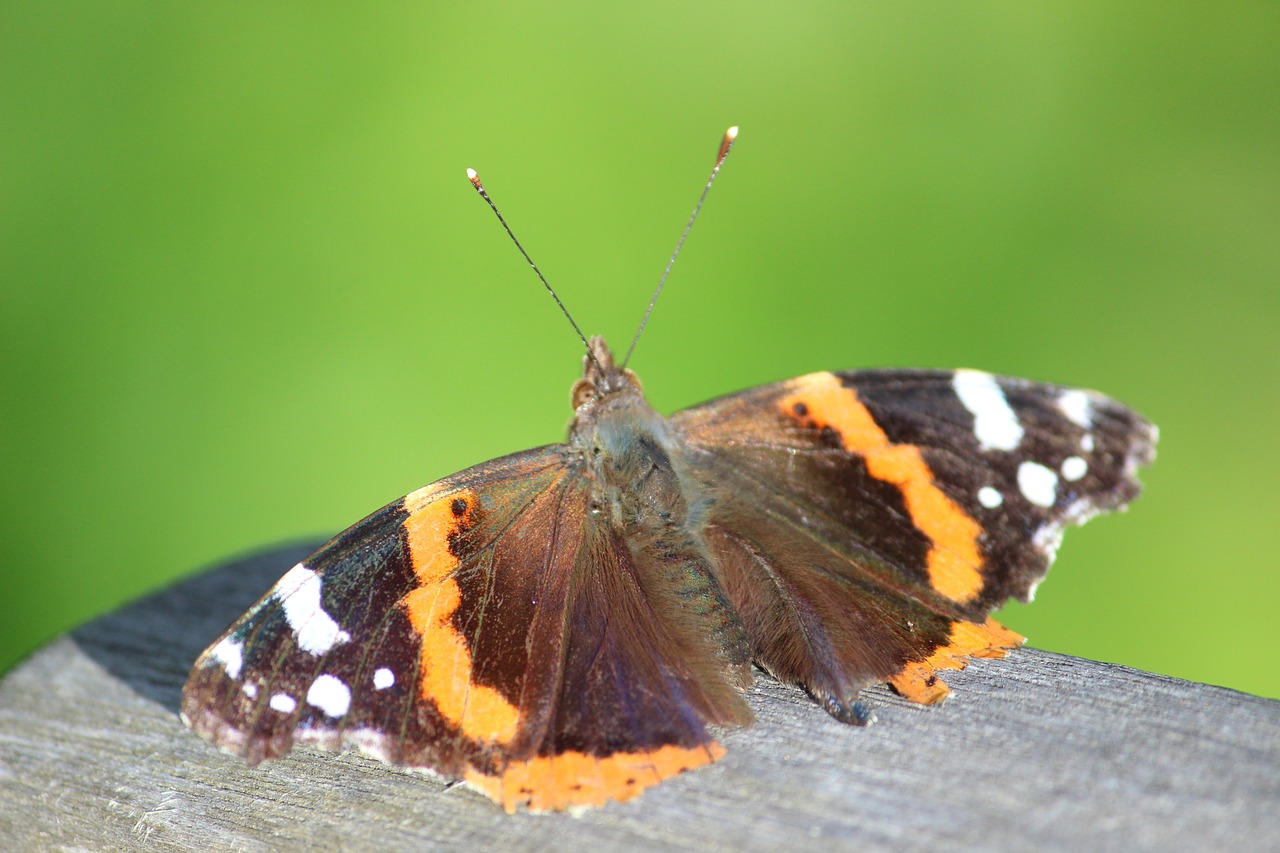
(1040, 751)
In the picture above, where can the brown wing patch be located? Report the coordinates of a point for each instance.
(575, 779)
(607, 706)
(918, 680)
(481, 713)
(820, 401)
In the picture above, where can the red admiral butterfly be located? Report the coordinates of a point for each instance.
(560, 627)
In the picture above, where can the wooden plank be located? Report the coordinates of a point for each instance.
(1040, 751)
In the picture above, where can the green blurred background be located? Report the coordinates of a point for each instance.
(247, 294)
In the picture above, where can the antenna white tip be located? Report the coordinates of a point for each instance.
(471, 174)
(725, 145)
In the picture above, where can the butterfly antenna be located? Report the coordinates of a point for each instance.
(475, 182)
(725, 144)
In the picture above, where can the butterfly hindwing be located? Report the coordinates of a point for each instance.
(867, 522)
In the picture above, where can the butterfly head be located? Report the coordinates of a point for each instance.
(601, 379)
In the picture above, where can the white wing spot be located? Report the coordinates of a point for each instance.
(1086, 442)
(1073, 468)
(989, 497)
(330, 695)
(230, 653)
(283, 703)
(299, 593)
(1037, 483)
(250, 689)
(994, 423)
(1075, 405)
(383, 678)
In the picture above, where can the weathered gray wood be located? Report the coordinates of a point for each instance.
(1039, 751)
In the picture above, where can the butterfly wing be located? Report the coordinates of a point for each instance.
(867, 522)
(488, 627)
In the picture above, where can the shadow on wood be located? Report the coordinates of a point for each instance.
(1040, 751)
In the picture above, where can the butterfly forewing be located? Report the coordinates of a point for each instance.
(489, 627)
(335, 649)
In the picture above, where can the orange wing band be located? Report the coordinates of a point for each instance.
(574, 779)
(955, 559)
(480, 712)
(918, 682)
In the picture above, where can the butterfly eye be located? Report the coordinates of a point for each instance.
(583, 392)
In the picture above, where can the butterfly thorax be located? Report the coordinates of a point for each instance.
(625, 448)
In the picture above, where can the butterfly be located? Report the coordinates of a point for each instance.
(566, 626)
